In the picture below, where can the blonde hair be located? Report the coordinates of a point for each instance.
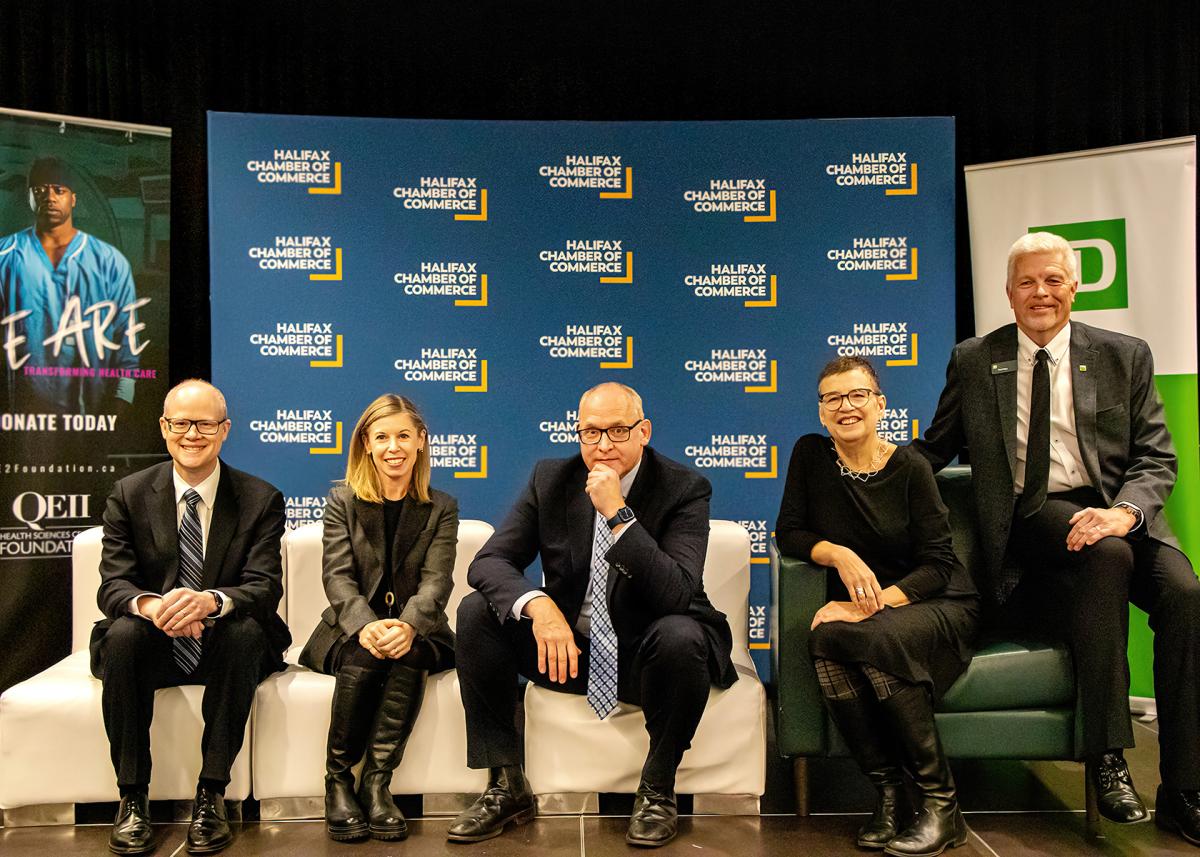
(1042, 242)
(360, 469)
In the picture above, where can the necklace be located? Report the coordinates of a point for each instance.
(866, 473)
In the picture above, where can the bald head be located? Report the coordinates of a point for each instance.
(195, 390)
(612, 392)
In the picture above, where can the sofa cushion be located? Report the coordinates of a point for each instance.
(1008, 676)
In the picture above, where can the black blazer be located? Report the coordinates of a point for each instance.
(656, 567)
(352, 569)
(1119, 423)
(141, 548)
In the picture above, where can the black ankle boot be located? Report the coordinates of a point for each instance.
(865, 734)
(507, 800)
(355, 698)
(403, 692)
(939, 824)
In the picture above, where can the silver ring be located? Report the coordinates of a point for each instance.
(861, 592)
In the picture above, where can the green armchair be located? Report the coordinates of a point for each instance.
(1015, 701)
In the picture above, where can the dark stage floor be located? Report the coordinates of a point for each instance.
(1013, 808)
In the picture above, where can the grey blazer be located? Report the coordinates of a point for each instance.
(1119, 423)
(352, 569)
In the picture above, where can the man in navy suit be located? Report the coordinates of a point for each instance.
(189, 583)
(1071, 465)
(622, 532)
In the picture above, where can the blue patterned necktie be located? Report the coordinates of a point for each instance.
(602, 657)
(191, 565)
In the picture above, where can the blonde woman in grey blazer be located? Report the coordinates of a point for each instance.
(387, 566)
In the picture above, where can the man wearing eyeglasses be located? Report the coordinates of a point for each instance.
(190, 580)
(54, 276)
(1072, 463)
(622, 533)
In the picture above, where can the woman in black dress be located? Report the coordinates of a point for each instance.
(387, 563)
(900, 626)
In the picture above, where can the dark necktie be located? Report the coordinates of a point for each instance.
(1037, 447)
(191, 565)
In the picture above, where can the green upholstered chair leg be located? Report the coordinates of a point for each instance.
(1092, 823)
(800, 775)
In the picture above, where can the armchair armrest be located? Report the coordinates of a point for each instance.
(798, 591)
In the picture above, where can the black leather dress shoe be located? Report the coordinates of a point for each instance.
(1179, 812)
(655, 819)
(508, 800)
(209, 831)
(131, 832)
(1118, 801)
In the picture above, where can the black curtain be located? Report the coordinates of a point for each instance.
(1021, 79)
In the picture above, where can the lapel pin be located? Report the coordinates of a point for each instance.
(1082, 367)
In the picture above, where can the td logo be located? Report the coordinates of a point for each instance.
(1100, 257)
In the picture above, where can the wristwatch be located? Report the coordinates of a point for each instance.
(624, 516)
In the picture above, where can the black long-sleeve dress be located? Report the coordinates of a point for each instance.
(895, 521)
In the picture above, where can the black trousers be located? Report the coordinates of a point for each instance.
(136, 659)
(668, 676)
(1083, 597)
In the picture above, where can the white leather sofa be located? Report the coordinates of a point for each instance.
(53, 749)
(570, 755)
(291, 711)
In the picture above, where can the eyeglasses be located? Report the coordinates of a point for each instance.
(616, 434)
(858, 397)
(181, 426)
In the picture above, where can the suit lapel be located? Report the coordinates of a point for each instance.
(1004, 350)
(413, 518)
(163, 523)
(1083, 364)
(370, 518)
(581, 521)
(221, 527)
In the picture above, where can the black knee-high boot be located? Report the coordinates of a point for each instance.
(403, 692)
(939, 823)
(865, 732)
(355, 697)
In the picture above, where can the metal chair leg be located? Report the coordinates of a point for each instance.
(1092, 823)
(800, 776)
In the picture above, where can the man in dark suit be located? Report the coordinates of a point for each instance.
(622, 532)
(1072, 463)
(190, 580)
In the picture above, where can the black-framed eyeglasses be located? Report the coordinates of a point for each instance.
(182, 426)
(616, 434)
(857, 397)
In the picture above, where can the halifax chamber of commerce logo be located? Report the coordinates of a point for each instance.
(1101, 259)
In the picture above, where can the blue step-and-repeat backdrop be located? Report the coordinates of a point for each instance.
(494, 270)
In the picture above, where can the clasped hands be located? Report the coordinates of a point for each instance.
(179, 613)
(858, 578)
(387, 638)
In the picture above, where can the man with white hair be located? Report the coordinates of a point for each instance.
(1071, 465)
(620, 616)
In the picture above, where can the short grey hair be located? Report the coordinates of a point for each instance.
(1042, 242)
(630, 393)
(196, 382)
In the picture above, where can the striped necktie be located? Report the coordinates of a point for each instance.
(191, 565)
(602, 657)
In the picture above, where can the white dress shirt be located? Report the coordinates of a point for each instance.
(208, 495)
(1066, 461)
(584, 623)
